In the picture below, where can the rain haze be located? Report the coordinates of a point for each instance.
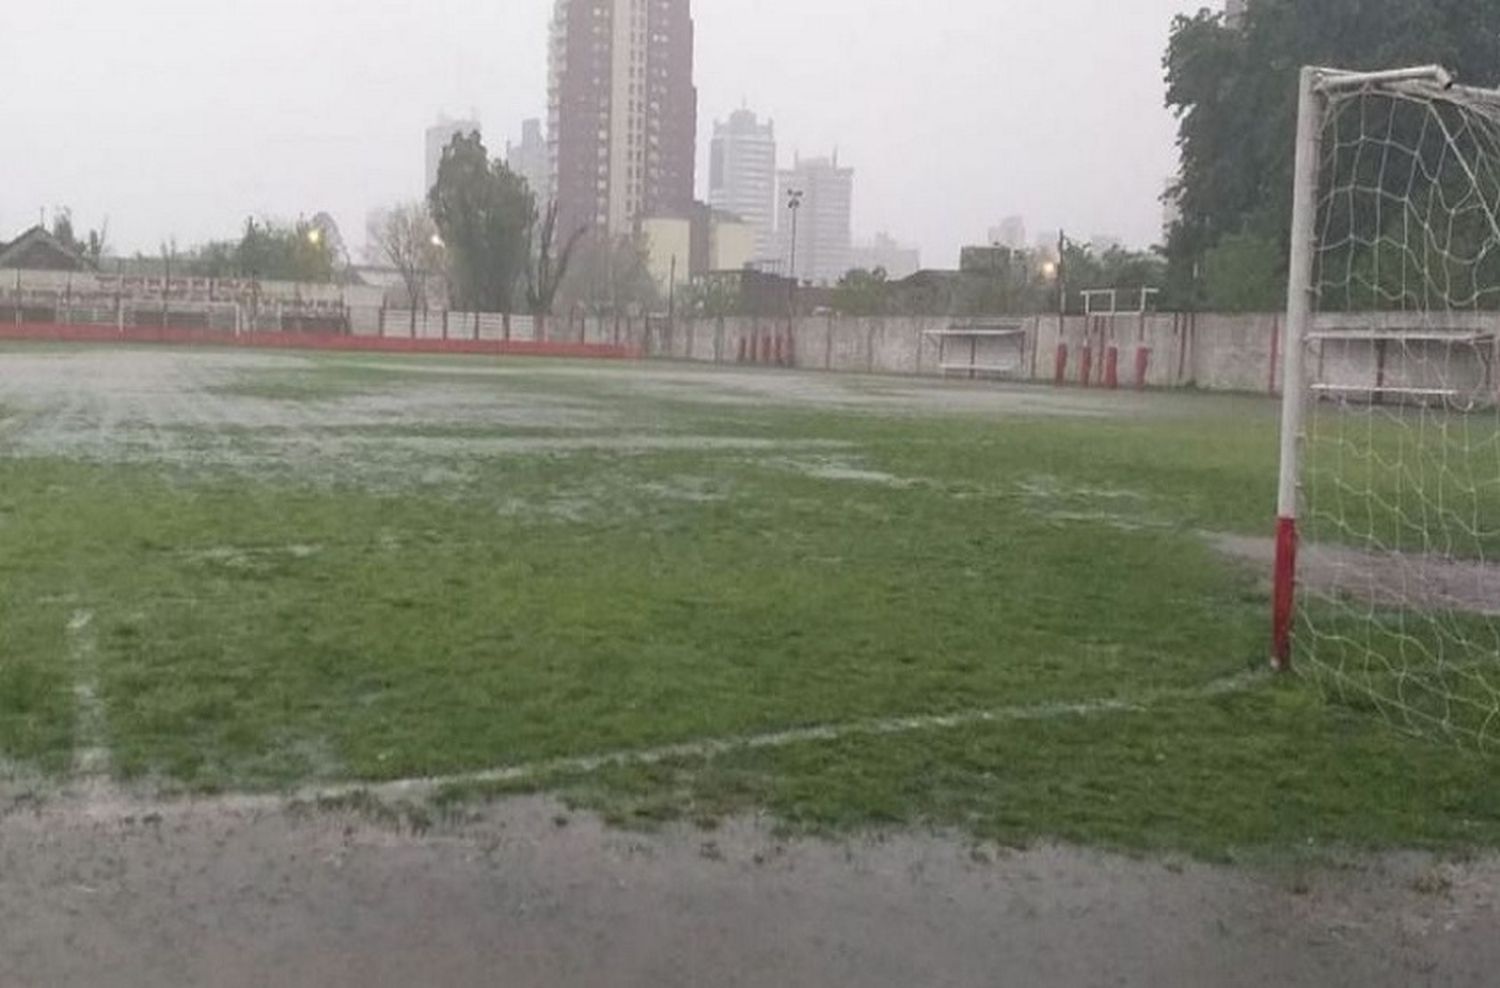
(179, 119)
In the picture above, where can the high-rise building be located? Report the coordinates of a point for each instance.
(528, 159)
(823, 222)
(742, 175)
(1234, 13)
(439, 136)
(1010, 233)
(623, 112)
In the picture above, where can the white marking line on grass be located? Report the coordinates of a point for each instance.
(713, 748)
(90, 755)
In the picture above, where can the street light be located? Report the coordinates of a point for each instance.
(315, 236)
(794, 203)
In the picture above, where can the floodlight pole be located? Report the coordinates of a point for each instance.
(794, 204)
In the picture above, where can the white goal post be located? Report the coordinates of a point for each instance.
(1389, 498)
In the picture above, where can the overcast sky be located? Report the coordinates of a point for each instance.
(182, 117)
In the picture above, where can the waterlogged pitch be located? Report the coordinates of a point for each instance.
(666, 591)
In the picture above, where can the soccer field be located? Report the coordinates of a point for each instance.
(670, 592)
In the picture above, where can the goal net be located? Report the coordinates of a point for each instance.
(1388, 578)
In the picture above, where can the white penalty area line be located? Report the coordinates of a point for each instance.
(409, 789)
(90, 754)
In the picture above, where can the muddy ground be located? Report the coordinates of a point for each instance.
(526, 893)
(1372, 579)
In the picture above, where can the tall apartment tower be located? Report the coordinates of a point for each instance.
(528, 159)
(742, 176)
(823, 223)
(623, 112)
(439, 136)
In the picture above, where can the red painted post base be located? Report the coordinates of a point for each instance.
(1142, 367)
(1062, 364)
(741, 358)
(1284, 594)
(1086, 367)
(1112, 368)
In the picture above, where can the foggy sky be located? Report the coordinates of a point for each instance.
(179, 118)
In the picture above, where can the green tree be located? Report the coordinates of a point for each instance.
(610, 275)
(91, 246)
(485, 214)
(1235, 94)
(267, 250)
(863, 293)
(710, 296)
(1243, 273)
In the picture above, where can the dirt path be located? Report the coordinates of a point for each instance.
(526, 894)
(1380, 579)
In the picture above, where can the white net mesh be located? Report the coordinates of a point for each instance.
(1399, 600)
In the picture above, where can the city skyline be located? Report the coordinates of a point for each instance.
(969, 132)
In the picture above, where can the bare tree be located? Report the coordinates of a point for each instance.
(548, 268)
(406, 238)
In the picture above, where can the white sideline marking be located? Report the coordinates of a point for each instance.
(102, 802)
(90, 755)
(712, 748)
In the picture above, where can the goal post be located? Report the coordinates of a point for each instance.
(1311, 111)
(1386, 587)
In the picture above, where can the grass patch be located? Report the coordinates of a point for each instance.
(257, 628)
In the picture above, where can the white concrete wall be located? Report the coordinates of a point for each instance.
(1232, 353)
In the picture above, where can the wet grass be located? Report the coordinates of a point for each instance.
(261, 630)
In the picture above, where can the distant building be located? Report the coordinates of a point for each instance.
(622, 112)
(681, 248)
(668, 242)
(742, 175)
(884, 252)
(733, 243)
(38, 250)
(1010, 233)
(1234, 13)
(986, 261)
(823, 223)
(439, 136)
(528, 159)
(749, 292)
(1103, 243)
